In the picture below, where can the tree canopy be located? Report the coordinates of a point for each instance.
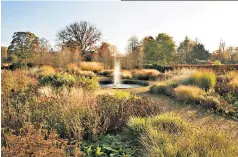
(23, 44)
(81, 35)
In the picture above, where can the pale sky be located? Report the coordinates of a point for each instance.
(207, 21)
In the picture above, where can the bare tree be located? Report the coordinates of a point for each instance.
(134, 51)
(222, 46)
(80, 35)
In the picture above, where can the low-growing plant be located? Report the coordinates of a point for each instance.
(34, 142)
(116, 111)
(15, 81)
(15, 66)
(88, 83)
(107, 73)
(12, 58)
(126, 75)
(159, 88)
(72, 68)
(46, 71)
(59, 80)
(188, 93)
(145, 74)
(91, 66)
(165, 135)
(217, 62)
(204, 79)
(210, 102)
(120, 94)
(108, 145)
(228, 84)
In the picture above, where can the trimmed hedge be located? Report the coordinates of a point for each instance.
(217, 68)
(160, 68)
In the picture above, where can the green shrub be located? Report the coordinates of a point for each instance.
(204, 79)
(217, 62)
(12, 58)
(88, 83)
(15, 66)
(58, 80)
(67, 80)
(188, 93)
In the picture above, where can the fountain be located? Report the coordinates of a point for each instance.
(117, 73)
(117, 83)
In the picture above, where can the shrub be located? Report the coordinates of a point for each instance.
(217, 62)
(116, 112)
(231, 75)
(158, 88)
(188, 93)
(74, 69)
(107, 73)
(139, 82)
(15, 81)
(227, 83)
(233, 86)
(30, 65)
(126, 75)
(88, 74)
(15, 66)
(120, 94)
(46, 70)
(58, 80)
(72, 113)
(204, 79)
(91, 66)
(34, 143)
(145, 74)
(168, 123)
(210, 102)
(12, 58)
(88, 83)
